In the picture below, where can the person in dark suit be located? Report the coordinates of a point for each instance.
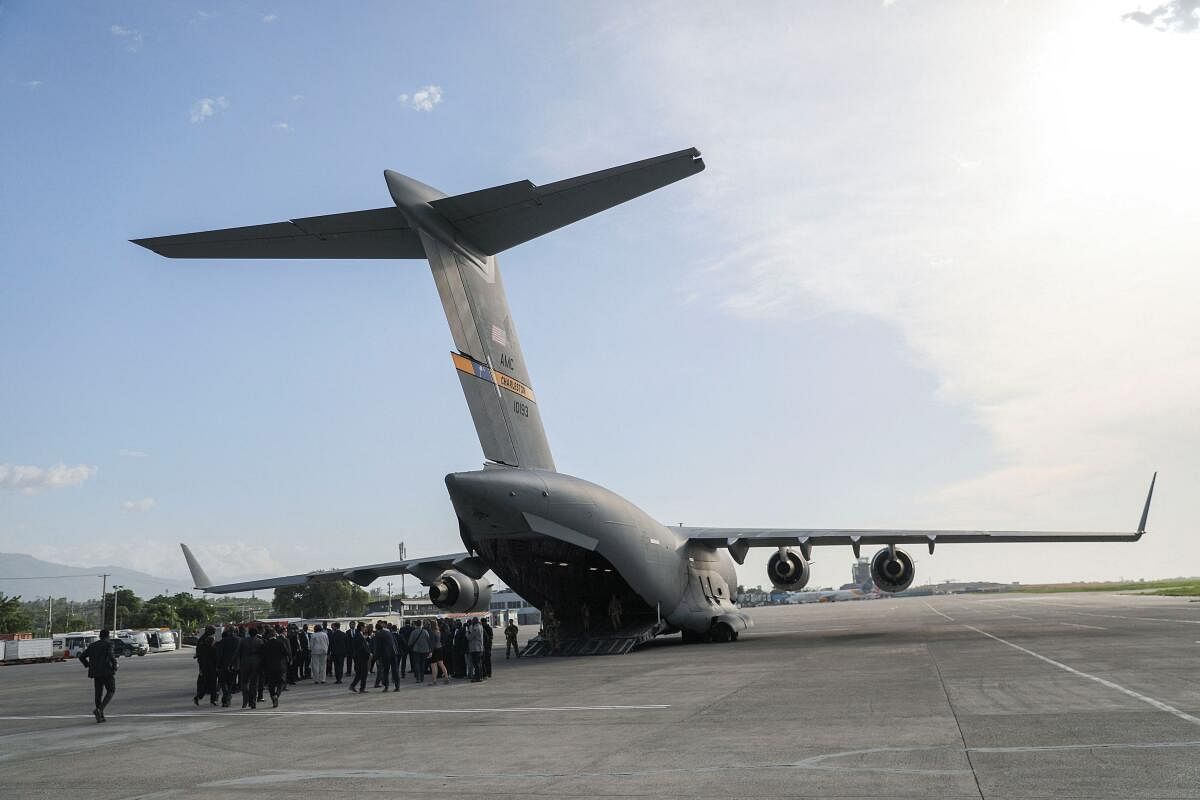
(360, 650)
(384, 648)
(339, 646)
(274, 664)
(206, 661)
(250, 667)
(402, 636)
(100, 658)
(228, 650)
(488, 638)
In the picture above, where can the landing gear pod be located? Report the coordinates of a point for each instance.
(455, 592)
(788, 570)
(892, 570)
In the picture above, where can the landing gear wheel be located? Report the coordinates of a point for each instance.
(690, 637)
(722, 632)
(735, 635)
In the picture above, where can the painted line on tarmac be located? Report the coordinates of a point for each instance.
(934, 610)
(1081, 625)
(1160, 705)
(1118, 616)
(321, 713)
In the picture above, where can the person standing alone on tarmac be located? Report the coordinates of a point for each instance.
(206, 660)
(227, 664)
(100, 658)
(318, 646)
(510, 639)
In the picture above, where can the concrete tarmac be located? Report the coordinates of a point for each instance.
(979, 696)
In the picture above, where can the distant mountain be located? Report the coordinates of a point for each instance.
(84, 587)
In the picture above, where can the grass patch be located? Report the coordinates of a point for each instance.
(1171, 587)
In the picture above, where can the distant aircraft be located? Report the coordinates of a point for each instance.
(559, 541)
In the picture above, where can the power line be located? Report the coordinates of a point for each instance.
(50, 577)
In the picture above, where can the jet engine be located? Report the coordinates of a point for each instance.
(892, 570)
(788, 570)
(455, 592)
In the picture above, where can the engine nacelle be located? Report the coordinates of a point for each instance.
(892, 574)
(455, 592)
(787, 570)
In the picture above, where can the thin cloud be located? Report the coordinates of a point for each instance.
(207, 107)
(269, 18)
(29, 480)
(132, 453)
(282, 126)
(130, 38)
(297, 98)
(1179, 16)
(423, 99)
(31, 84)
(139, 506)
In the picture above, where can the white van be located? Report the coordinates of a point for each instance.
(70, 645)
(161, 641)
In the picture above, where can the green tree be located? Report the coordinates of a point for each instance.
(317, 600)
(158, 612)
(128, 606)
(13, 618)
(193, 611)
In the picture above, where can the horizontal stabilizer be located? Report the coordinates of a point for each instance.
(377, 233)
(493, 220)
(427, 570)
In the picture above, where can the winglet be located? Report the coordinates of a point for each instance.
(199, 576)
(1146, 509)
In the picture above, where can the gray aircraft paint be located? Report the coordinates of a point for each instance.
(518, 507)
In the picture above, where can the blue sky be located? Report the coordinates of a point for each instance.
(938, 272)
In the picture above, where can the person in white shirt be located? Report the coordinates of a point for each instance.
(318, 647)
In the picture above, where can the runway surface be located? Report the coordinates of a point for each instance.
(977, 696)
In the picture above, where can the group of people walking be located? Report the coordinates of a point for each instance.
(257, 660)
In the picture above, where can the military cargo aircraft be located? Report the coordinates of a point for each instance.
(561, 542)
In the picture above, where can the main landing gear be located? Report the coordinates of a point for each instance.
(720, 632)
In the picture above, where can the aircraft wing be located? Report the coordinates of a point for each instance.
(740, 540)
(426, 570)
(501, 217)
(377, 233)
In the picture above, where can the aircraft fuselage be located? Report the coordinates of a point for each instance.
(563, 540)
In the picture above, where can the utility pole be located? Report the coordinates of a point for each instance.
(50, 618)
(389, 585)
(103, 596)
(116, 590)
(403, 555)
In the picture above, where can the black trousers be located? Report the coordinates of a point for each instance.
(335, 663)
(206, 684)
(487, 663)
(274, 681)
(360, 673)
(476, 667)
(105, 685)
(228, 678)
(402, 661)
(510, 645)
(250, 677)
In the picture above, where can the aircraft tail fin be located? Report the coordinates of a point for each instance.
(199, 577)
(461, 248)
